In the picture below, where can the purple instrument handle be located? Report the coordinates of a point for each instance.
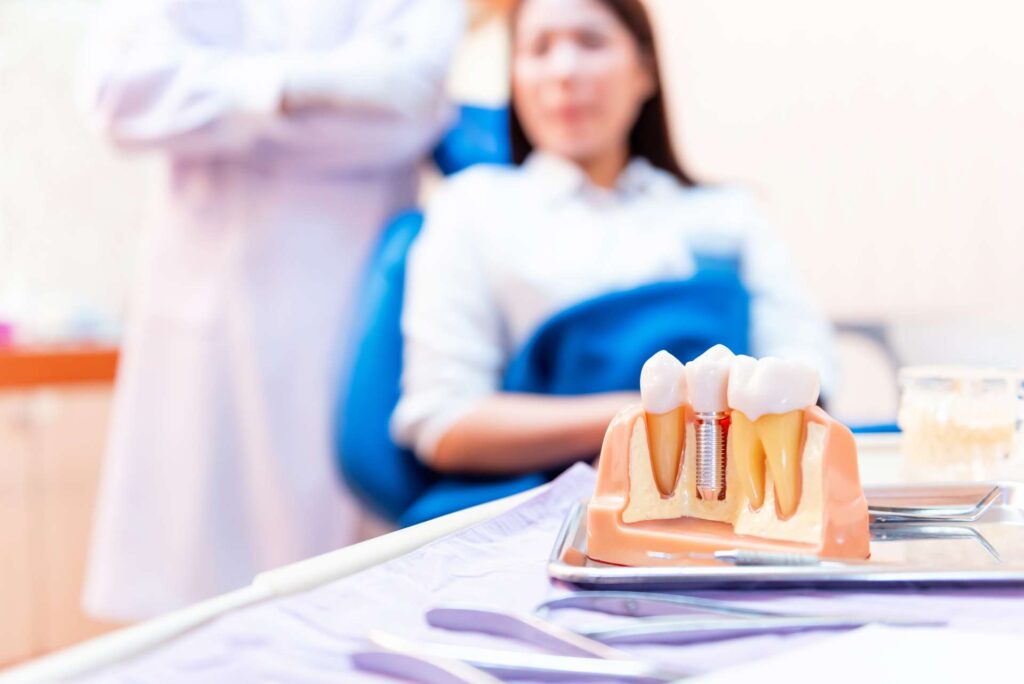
(524, 628)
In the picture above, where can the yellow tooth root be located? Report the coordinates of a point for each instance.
(666, 433)
(781, 435)
(748, 454)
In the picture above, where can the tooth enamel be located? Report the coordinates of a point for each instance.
(662, 383)
(773, 394)
(663, 393)
(771, 385)
(708, 379)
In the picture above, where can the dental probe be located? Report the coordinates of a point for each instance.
(742, 557)
(746, 557)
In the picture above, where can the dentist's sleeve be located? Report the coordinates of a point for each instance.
(785, 321)
(454, 351)
(396, 61)
(380, 98)
(183, 75)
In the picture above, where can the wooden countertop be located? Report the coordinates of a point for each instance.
(22, 367)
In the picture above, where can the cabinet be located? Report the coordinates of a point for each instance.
(54, 411)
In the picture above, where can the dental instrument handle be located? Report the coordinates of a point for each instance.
(741, 557)
(529, 629)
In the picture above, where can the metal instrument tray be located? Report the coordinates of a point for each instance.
(950, 534)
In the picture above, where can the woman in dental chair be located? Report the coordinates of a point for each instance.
(535, 292)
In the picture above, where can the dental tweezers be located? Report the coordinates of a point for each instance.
(671, 618)
(970, 512)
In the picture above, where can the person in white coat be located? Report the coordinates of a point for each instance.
(292, 130)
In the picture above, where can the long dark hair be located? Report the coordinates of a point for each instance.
(650, 136)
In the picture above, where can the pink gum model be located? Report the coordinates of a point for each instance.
(843, 518)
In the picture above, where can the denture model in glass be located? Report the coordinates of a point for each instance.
(728, 452)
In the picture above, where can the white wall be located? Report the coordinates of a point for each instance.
(885, 133)
(70, 209)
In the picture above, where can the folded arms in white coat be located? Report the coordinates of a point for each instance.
(154, 80)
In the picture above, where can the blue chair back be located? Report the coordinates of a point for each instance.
(386, 478)
(480, 136)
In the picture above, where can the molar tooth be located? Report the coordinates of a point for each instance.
(773, 394)
(663, 394)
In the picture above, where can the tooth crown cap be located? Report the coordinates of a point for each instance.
(771, 385)
(662, 383)
(708, 377)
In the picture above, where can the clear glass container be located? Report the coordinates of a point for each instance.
(960, 423)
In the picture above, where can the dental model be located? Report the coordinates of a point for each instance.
(731, 454)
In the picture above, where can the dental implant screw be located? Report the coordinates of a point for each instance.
(712, 434)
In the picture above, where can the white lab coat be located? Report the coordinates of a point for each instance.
(219, 463)
(504, 249)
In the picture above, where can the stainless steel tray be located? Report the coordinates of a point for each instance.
(938, 543)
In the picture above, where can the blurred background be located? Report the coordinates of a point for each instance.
(884, 138)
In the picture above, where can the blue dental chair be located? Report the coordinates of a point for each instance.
(596, 345)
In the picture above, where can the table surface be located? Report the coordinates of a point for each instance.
(878, 458)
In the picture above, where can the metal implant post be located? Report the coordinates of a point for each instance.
(712, 434)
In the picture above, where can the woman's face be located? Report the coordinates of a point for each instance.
(578, 77)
